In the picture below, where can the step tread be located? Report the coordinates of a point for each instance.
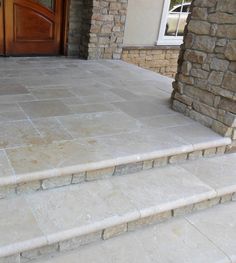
(44, 161)
(206, 236)
(36, 219)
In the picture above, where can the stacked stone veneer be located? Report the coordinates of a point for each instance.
(162, 60)
(205, 86)
(75, 27)
(103, 28)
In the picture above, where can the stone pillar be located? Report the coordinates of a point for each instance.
(205, 85)
(75, 27)
(103, 28)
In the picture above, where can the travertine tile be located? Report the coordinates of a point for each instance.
(168, 120)
(96, 124)
(218, 172)
(143, 108)
(17, 223)
(201, 134)
(175, 241)
(51, 93)
(49, 108)
(219, 225)
(12, 89)
(9, 107)
(55, 210)
(92, 108)
(18, 133)
(5, 166)
(12, 116)
(152, 187)
(55, 155)
(51, 130)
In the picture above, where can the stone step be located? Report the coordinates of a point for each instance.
(109, 156)
(206, 236)
(57, 220)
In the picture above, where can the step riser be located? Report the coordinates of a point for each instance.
(66, 244)
(25, 185)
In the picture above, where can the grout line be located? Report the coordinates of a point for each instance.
(10, 164)
(203, 234)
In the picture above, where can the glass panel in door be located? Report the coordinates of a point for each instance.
(48, 3)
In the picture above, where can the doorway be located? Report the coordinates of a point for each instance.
(31, 27)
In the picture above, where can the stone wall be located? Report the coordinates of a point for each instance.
(103, 28)
(162, 60)
(75, 27)
(205, 86)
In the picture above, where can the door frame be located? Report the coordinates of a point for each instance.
(2, 28)
(64, 27)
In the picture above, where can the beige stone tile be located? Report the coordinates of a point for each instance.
(90, 88)
(171, 120)
(55, 210)
(167, 185)
(219, 225)
(16, 98)
(74, 101)
(38, 109)
(175, 241)
(12, 89)
(145, 108)
(218, 172)
(17, 222)
(51, 130)
(178, 241)
(98, 124)
(51, 93)
(125, 94)
(108, 96)
(18, 133)
(9, 107)
(92, 108)
(142, 141)
(12, 116)
(59, 154)
(201, 133)
(5, 166)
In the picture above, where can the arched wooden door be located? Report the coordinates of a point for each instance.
(33, 27)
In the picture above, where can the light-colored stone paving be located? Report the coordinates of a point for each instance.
(204, 237)
(57, 112)
(63, 215)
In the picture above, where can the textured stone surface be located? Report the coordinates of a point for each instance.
(103, 25)
(213, 223)
(114, 231)
(209, 51)
(163, 61)
(77, 215)
(174, 241)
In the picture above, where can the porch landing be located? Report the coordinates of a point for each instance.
(66, 116)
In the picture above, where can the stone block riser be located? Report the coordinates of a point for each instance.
(49, 179)
(76, 238)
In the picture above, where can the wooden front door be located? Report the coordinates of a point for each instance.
(33, 27)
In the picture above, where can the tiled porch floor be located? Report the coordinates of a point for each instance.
(57, 112)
